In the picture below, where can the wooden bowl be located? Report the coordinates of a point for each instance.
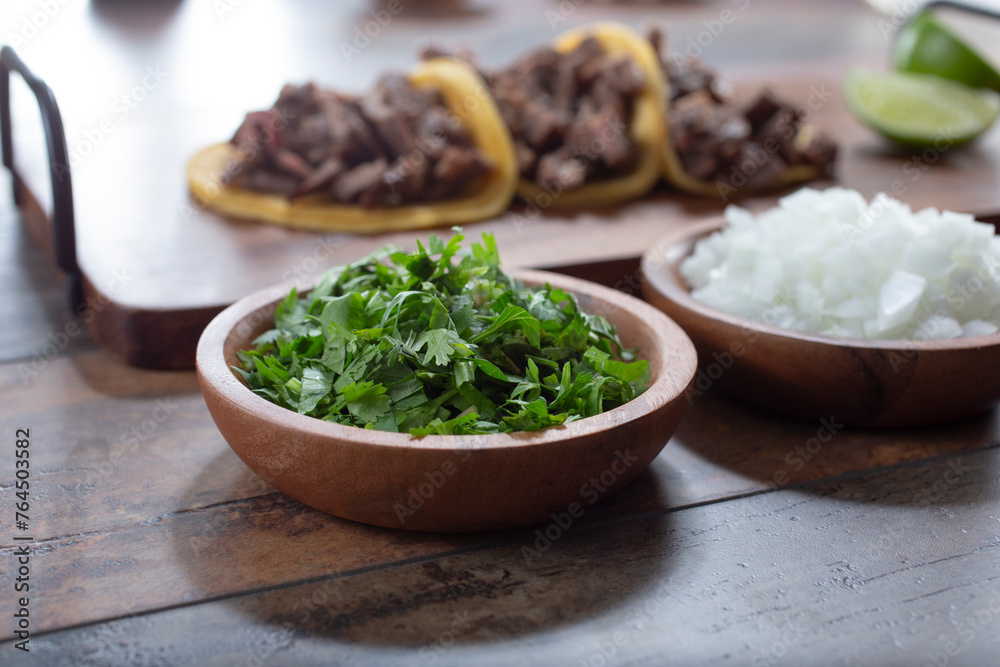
(808, 376)
(451, 483)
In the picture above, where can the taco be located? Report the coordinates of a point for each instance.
(717, 146)
(417, 151)
(586, 117)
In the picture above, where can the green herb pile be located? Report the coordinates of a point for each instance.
(440, 341)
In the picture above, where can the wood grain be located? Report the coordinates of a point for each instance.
(34, 307)
(742, 543)
(177, 502)
(183, 263)
(871, 583)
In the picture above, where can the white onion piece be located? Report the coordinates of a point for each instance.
(979, 328)
(898, 299)
(829, 262)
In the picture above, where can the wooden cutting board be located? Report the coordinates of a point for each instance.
(156, 267)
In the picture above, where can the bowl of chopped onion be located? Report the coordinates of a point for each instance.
(828, 306)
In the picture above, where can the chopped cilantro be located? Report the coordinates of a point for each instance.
(439, 341)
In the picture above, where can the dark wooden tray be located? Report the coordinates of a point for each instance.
(148, 268)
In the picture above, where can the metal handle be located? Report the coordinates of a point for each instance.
(63, 220)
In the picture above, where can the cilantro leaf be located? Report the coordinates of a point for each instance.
(316, 385)
(439, 341)
(366, 401)
(512, 318)
(439, 346)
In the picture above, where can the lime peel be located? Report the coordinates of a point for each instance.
(926, 46)
(920, 110)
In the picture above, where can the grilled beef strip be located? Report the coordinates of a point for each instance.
(570, 114)
(715, 135)
(396, 144)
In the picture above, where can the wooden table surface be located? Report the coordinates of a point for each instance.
(747, 542)
(162, 81)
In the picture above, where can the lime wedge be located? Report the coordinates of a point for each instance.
(920, 110)
(926, 46)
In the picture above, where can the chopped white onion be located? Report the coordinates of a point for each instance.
(829, 262)
(898, 299)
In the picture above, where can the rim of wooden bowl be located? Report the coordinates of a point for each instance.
(669, 379)
(670, 249)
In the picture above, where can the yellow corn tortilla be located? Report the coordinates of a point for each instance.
(647, 129)
(468, 99)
